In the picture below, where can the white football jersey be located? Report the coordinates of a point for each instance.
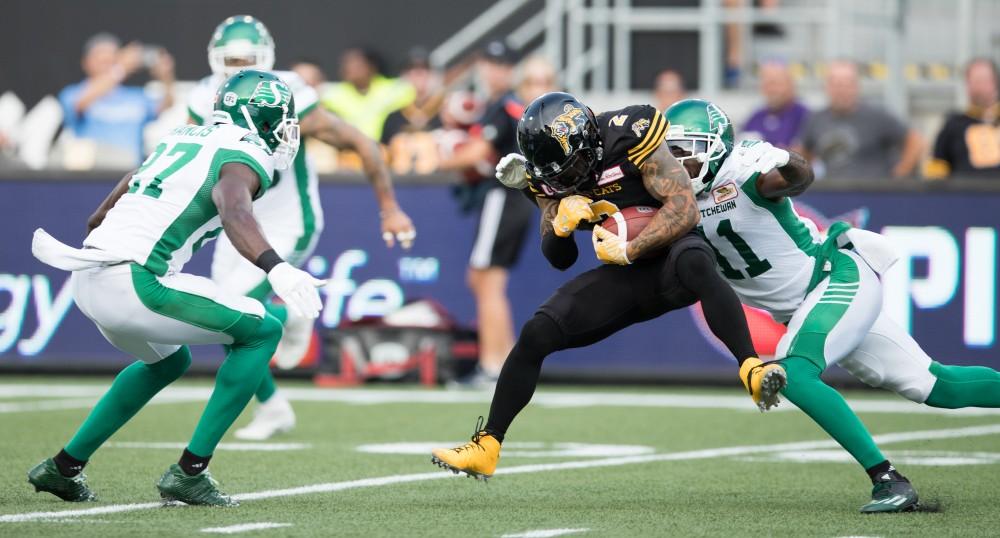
(168, 213)
(766, 251)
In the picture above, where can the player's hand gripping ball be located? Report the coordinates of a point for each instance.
(572, 211)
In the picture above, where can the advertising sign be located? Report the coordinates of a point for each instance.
(943, 290)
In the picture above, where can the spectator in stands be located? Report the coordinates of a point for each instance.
(407, 132)
(668, 89)
(365, 97)
(102, 109)
(969, 143)
(422, 113)
(856, 141)
(781, 119)
(505, 215)
(310, 71)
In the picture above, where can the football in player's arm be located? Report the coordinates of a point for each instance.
(582, 167)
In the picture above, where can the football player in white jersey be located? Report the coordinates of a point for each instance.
(127, 279)
(825, 289)
(242, 42)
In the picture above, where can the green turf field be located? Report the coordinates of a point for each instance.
(594, 461)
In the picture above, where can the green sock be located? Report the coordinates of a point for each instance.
(235, 383)
(964, 386)
(131, 389)
(828, 409)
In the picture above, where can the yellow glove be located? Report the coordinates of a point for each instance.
(763, 380)
(609, 247)
(572, 210)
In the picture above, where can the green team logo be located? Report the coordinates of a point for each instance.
(717, 119)
(271, 93)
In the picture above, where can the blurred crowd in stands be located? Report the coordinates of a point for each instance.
(426, 117)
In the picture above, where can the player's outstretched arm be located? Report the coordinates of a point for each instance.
(667, 181)
(120, 189)
(233, 197)
(396, 224)
(789, 179)
(560, 251)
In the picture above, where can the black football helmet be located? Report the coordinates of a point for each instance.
(558, 135)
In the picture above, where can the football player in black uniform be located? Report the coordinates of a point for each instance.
(580, 167)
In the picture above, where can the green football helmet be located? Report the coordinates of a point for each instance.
(699, 130)
(240, 42)
(262, 103)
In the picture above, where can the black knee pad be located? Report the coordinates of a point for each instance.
(541, 335)
(696, 270)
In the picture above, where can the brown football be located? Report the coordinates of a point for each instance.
(632, 220)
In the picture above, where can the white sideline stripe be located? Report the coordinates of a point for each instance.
(238, 447)
(544, 533)
(522, 469)
(244, 527)
(83, 403)
(366, 396)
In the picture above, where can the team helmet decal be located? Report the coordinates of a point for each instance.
(571, 121)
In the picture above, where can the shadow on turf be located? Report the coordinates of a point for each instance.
(932, 506)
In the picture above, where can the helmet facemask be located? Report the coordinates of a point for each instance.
(706, 148)
(283, 138)
(237, 55)
(577, 173)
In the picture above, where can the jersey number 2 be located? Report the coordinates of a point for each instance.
(187, 152)
(755, 265)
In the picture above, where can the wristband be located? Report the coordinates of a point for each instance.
(268, 259)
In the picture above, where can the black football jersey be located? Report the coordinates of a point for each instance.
(630, 135)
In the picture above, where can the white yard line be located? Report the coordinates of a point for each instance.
(238, 447)
(544, 533)
(244, 527)
(328, 487)
(366, 396)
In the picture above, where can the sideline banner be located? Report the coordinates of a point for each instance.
(943, 290)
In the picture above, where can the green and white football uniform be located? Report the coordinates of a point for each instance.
(137, 295)
(290, 214)
(823, 289)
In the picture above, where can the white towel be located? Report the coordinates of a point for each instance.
(877, 251)
(51, 251)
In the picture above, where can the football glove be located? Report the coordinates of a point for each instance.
(297, 288)
(572, 210)
(511, 171)
(762, 157)
(609, 247)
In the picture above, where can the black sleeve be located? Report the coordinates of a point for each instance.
(497, 128)
(560, 251)
(943, 142)
(393, 125)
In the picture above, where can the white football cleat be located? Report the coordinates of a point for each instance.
(270, 418)
(294, 341)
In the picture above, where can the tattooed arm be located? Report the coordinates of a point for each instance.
(790, 180)
(560, 251)
(667, 181)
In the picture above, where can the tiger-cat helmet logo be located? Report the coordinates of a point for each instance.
(570, 122)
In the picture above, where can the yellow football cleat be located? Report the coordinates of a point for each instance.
(763, 381)
(477, 458)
